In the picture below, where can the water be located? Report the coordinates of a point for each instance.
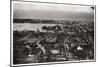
(29, 26)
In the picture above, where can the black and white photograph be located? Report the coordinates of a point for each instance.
(48, 33)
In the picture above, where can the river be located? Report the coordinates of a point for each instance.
(30, 26)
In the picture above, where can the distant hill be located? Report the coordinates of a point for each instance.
(49, 21)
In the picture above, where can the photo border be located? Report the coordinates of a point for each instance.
(47, 63)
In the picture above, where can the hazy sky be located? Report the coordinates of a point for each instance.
(31, 10)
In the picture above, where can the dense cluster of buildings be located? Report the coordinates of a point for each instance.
(65, 43)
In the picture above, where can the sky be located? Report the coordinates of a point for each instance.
(33, 10)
